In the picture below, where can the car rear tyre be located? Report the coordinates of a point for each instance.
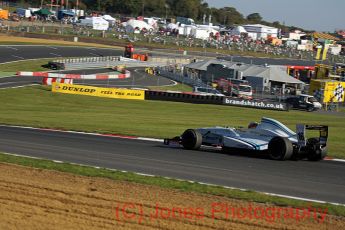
(316, 152)
(191, 139)
(280, 148)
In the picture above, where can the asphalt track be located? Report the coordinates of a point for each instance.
(22, 52)
(10, 53)
(313, 180)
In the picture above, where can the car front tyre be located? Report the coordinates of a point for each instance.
(191, 139)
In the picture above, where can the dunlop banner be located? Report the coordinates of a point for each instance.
(98, 92)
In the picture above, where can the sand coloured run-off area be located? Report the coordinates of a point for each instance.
(42, 199)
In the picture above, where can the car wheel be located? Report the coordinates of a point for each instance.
(316, 152)
(191, 139)
(280, 148)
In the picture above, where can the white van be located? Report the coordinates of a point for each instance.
(207, 91)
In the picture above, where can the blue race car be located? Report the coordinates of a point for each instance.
(270, 136)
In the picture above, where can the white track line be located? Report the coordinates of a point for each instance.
(57, 55)
(9, 47)
(20, 86)
(86, 133)
(338, 160)
(18, 57)
(189, 181)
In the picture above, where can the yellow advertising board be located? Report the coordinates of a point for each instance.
(324, 53)
(334, 91)
(98, 92)
(327, 91)
(318, 53)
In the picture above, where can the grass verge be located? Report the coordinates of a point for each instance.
(177, 87)
(26, 65)
(89, 171)
(12, 40)
(6, 74)
(37, 106)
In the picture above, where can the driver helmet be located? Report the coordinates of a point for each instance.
(252, 125)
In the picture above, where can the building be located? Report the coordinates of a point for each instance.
(260, 77)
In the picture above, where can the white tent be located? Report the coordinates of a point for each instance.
(133, 25)
(203, 32)
(108, 18)
(238, 30)
(151, 21)
(97, 23)
(172, 26)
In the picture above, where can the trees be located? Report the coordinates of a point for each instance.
(195, 9)
(254, 18)
(185, 8)
(230, 16)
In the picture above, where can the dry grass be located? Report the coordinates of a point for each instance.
(43, 199)
(38, 41)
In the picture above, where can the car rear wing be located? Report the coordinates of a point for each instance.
(301, 133)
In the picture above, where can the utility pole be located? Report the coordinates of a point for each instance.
(166, 11)
(143, 8)
(77, 7)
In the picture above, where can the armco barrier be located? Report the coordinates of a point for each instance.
(183, 97)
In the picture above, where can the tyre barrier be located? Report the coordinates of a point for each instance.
(256, 103)
(183, 97)
(51, 80)
(215, 100)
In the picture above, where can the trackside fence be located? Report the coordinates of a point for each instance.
(179, 77)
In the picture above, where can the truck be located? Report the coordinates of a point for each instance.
(129, 53)
(234, 87)
(304, 102)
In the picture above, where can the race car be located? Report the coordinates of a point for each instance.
(269, 136)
